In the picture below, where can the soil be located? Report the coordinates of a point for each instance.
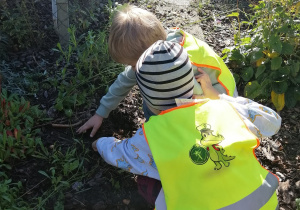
(110, 188)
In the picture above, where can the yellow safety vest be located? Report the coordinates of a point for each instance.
(205, 157)
(202, 55)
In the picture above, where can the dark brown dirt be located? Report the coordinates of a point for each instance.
(111, 188)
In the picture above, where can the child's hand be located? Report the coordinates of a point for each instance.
(198, 97)
(94, 146)
(205, 82)
(94, 122)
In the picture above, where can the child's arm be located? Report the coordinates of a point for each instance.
(208, 90)
(116, 93)
(131, 154)
(261, 120)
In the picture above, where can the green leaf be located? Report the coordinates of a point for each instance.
(284, 71)
(276, 63)
(5, 197)
(68, 112)
(252, 90)
(74, 165)
(297, 93)
(262, 77)
(59, 47)
(256, 55)
(59, 105)
(247, 74)
(236, 78)
(297, 79)
(280, 87)
(44, 173)
(236, 55)
(260, 70)
(275, 43)
(234, 14)
(226, 50)
(287, 48)
(295, 68)
(4, 138)
(284, 29)
(290, 100)
(246, 40)
(245, 22)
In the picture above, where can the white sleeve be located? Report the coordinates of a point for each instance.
(261, 120)
(132, 155)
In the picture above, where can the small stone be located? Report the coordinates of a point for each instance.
(46, 94)
(227, 42)
(297, 184)
(126, 201)
(285, 185)
(68, 196)
(99, 205)
(281, 176)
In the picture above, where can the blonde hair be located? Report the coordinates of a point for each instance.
(133, 30)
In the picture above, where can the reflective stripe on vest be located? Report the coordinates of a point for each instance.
(205, 157)
(202, 55)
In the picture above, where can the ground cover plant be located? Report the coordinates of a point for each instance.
(48, 90)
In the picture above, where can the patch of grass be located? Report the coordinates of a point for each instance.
(10, 194)
(66, 169)
(87, 67)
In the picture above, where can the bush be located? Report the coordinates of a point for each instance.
(266, 59)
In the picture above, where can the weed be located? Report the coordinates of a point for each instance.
(9, 194)
(66, 168)
(89, 57)
(298, 203)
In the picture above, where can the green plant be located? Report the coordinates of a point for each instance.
(298, 203)
(66, 168)
(23, 81)
(20, 23)
(18, 138)
(266, 59)
(91, 66)
(10, 194)
(4, 42)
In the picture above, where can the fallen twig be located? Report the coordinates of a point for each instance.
(66, 125)
(33, 187)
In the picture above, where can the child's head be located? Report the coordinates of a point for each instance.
(164, 72)
(133, 30)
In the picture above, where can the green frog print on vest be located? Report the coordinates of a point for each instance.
(209, 147)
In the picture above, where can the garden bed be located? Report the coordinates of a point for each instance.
(91, 183)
